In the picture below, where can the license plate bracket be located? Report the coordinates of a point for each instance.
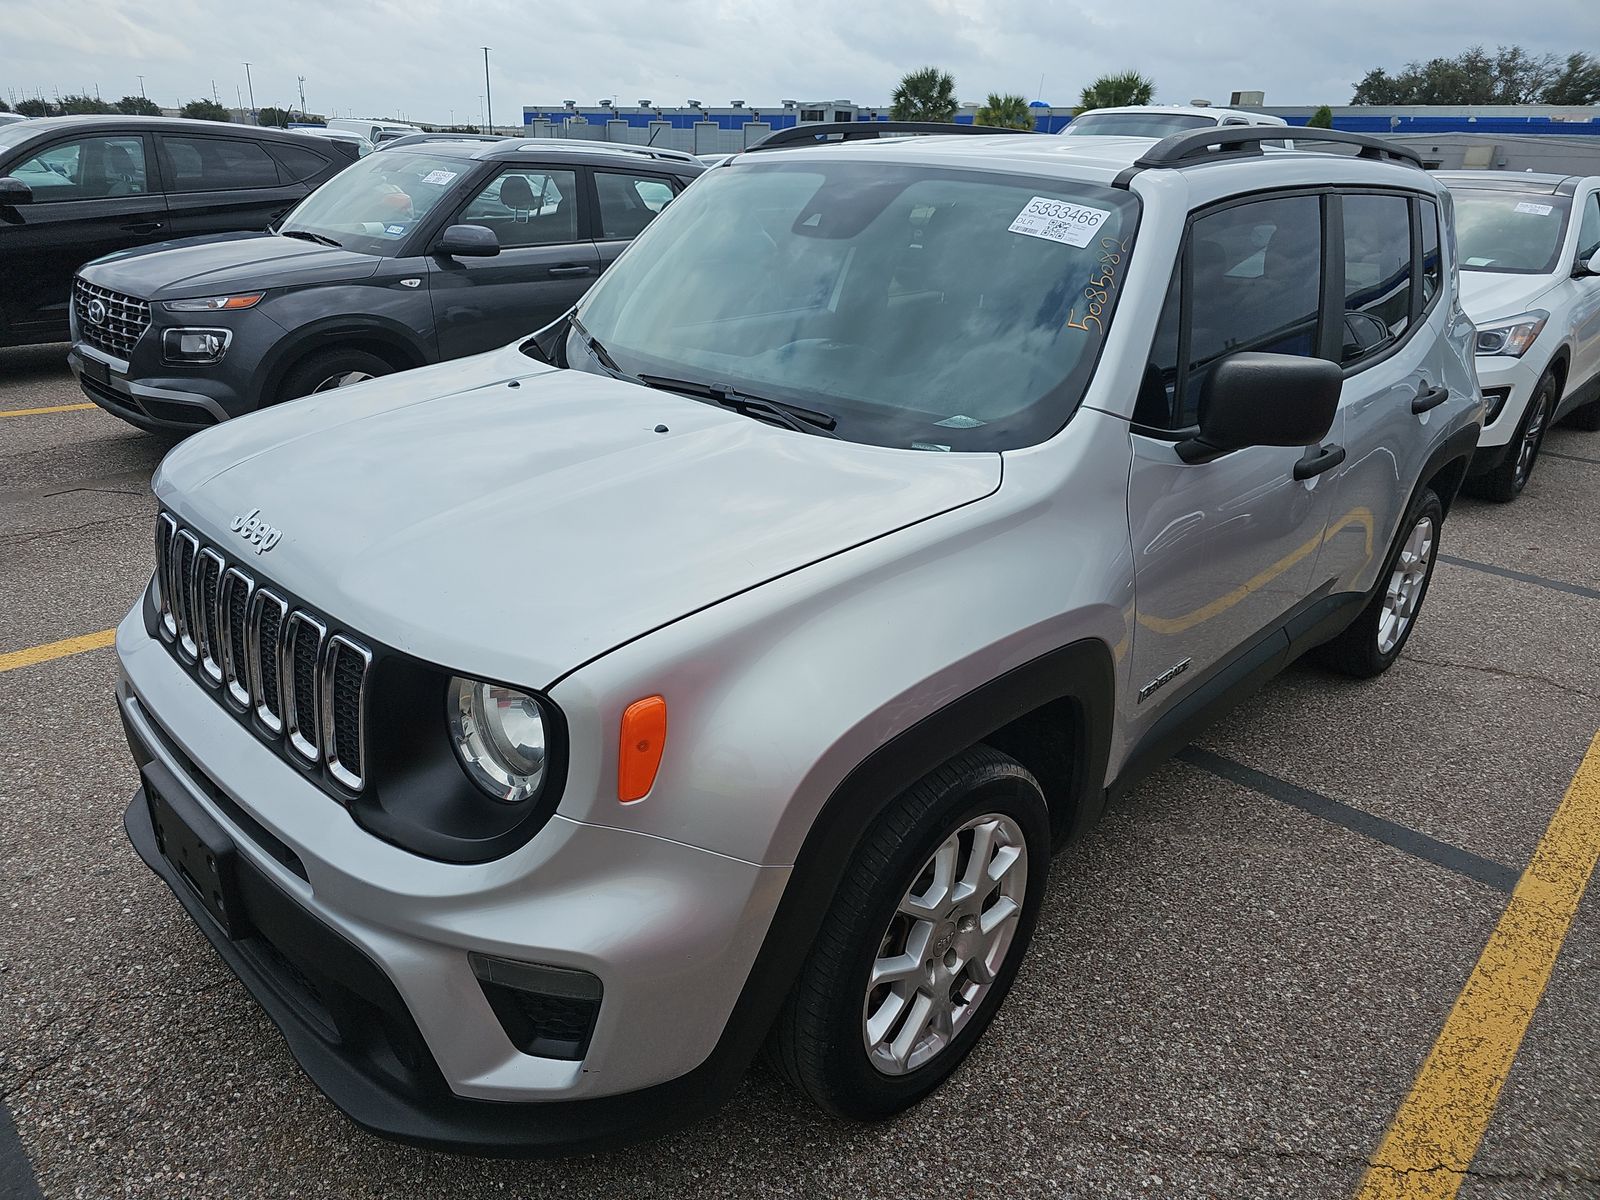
(199, 850)
(96, 370)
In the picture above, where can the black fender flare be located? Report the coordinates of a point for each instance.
(406, 344)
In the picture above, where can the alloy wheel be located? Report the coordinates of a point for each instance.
(343, 379)
(946, 942)
(1406, 581)
(1533, 435)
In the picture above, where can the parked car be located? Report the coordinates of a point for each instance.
(360, 144)
(535, 734)
(76, 188)
(1530, 262)
(12, 118)
(423, 139)
(409, 257)
(373, 131)
(1160, 120)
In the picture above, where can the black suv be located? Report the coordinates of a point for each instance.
(75, 188)
(411, 256)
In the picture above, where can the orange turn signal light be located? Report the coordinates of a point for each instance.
(644, 736)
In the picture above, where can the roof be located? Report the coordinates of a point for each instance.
(94, 121)
(1191, 110)
(1538, 182)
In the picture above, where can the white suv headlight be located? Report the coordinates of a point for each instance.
(1512, 336)
(499, 736)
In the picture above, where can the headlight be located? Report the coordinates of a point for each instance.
(499, 736)
(214, 303)
(1511, 336)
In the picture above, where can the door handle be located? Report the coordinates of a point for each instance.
(142, 226)
(560, 271)
(1429, 398)
(1317, 460)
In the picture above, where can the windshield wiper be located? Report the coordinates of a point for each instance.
(593, 346)
(791, 416)
(306, 235)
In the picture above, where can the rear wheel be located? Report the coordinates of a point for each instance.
(1375, 638)
(1506, 481)
(329, 369)
(923, 939)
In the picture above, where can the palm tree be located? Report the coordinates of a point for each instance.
(1008, 112)
(1116, 91)
(928, 94)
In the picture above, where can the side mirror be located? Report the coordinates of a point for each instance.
(14, 191)
(1591, 267)
(1264, 400)
(467, 241)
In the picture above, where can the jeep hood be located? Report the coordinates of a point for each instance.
(509, 520)
(1488, 296)
(209, 266)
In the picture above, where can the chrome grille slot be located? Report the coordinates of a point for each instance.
(234, 608)
(266, 652)
(166, 528)
(208, 618)
(281, 669)
(123, 321)
(344, 685)
(186, 549)
(299, 666)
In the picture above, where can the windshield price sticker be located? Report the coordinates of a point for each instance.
(1059, 221)
(1538, 210)
(439, 177)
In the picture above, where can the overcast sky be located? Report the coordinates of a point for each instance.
(422, 57)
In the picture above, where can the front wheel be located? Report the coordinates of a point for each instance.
(1375, 638)
(922, 942)
(330, 369)
(1505, 482)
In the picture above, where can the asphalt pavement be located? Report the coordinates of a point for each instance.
(1237, 978)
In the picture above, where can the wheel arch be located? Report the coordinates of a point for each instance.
(392, 343)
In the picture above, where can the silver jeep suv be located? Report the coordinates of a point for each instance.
(540, 735)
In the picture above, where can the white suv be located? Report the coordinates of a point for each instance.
(537, 733)
(1161, 120)
(1530, 281)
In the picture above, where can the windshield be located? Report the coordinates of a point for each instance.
(1511, 232)
(1154, 125)
(371, 205)
(936, 310)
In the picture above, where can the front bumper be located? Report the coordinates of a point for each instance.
(1517, 378)
(154, 409)
(395, 1027)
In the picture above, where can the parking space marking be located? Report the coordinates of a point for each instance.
(1575, 589)
(17, 1180)
(1593, 462)
(34, 655)
(1380, 829)
(53, 408)
(1435, 1135)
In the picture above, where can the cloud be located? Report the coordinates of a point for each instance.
(422, 57)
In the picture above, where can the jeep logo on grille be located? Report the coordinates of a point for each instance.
(96, 312)
(256, 531)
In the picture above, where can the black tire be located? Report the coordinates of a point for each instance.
(1586, 418)
(818, 1042)
(1359, 651)
(1505, 482)
(316, 372)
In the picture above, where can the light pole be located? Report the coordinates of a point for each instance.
(250, 84)
(488, 98)
(141, 87)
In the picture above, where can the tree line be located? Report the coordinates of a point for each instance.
(1511, 75)
(140, 106)
(929, 94)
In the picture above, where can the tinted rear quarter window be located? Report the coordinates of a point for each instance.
(218, 164)
(296, 163)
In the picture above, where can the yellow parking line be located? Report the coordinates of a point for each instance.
(34, 655)
(1435, 1134)
(33, 412)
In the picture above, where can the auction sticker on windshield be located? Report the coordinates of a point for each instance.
(1059, 221)
(439, 177)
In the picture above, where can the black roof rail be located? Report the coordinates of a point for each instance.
(823, 133)
(1208, 145)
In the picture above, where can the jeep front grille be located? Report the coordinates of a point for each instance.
(276, 666)
(123, 319)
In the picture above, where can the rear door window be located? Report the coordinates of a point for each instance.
(217, 164)
(91, 168)
(296, 163)
(1377, 273)
(629, 202)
